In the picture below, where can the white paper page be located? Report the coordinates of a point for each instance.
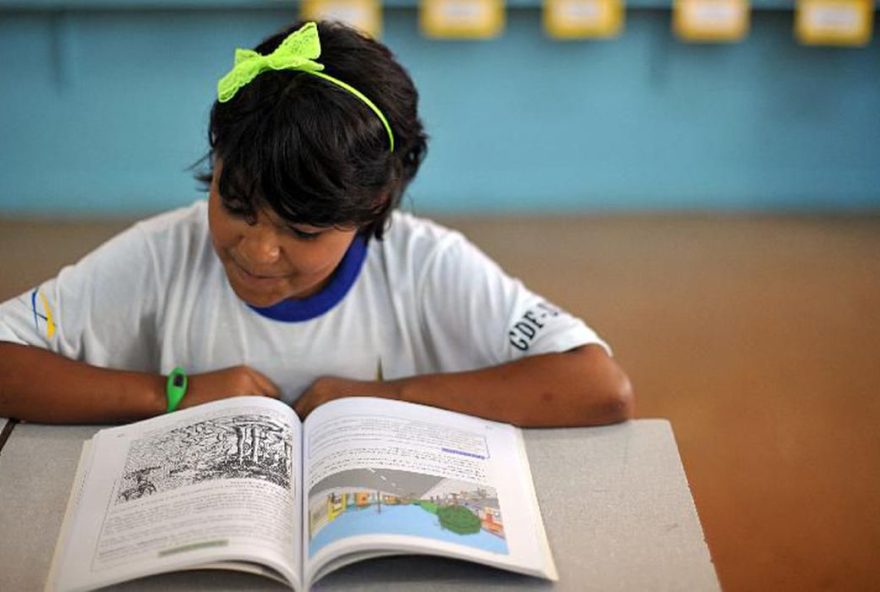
(85, 458)
(197, 486)
(382, 475)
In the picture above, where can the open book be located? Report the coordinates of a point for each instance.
(243, 484)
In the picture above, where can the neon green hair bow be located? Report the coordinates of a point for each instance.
(297, 52)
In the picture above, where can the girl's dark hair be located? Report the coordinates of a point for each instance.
(312, 151)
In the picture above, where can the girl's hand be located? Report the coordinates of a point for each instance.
(229, 382)
(329, 388)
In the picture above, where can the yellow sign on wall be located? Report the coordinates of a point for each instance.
(574, 19)
(365, 15)
(462, 19)
(711, 20)
(834, 22)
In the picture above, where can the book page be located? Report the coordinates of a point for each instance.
(85, 458)
(386, 476)
(217, 482)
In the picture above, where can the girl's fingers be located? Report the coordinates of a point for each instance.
(265, 386)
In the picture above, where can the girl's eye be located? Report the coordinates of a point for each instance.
(236, 207)
(305, 235)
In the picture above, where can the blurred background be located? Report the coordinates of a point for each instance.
(698, 179)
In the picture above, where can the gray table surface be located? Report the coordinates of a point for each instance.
(615, 501)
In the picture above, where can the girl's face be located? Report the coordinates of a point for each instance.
(270, 261)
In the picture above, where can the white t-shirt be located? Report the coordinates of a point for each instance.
(422, 300)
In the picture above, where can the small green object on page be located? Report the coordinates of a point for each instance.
(297, 52)
(175, 388)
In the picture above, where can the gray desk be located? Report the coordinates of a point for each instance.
(615, 501)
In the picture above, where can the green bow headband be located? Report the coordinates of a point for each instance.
(297, 52)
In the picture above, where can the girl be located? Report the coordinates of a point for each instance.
(299, 278)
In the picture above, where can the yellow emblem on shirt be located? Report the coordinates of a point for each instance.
(45, 314)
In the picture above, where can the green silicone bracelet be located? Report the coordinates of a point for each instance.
(175, 388)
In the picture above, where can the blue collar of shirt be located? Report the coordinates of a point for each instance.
(297, 310)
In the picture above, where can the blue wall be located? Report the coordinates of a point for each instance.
(103, 109)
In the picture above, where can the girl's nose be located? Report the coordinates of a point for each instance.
(260, 245)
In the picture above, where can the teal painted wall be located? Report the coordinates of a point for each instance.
(103, 109)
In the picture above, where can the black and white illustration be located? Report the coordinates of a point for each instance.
(252, 446)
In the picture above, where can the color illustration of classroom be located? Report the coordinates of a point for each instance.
(431, 504)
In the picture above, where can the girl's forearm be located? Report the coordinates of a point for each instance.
(41, 386)
(577, 388)
(581, 387)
